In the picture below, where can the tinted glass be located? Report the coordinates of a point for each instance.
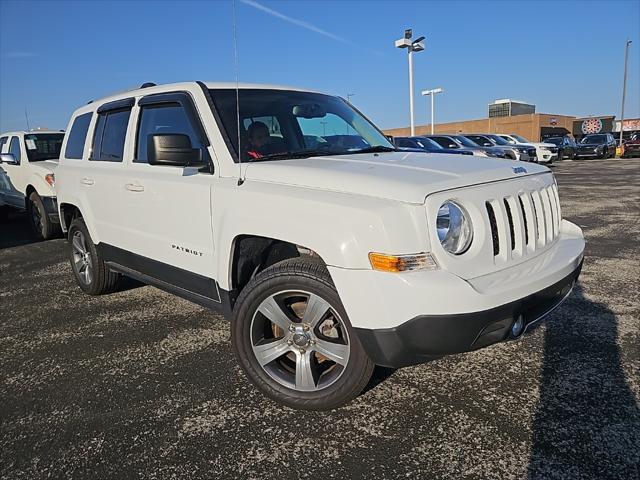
(520, 139)
(310, 124)
(111, 130)
(485, 142)
(466, 142)
(43, 146)
(77, 136)
(157, 119)
(498, 139)
(556, 141)
(14, 148)
(3, 140)
(429, 144)
(404, 142)
(595, 139)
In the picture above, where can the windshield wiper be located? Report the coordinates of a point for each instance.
(376, 149)
(293, 155)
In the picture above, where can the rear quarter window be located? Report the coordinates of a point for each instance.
(77, 136)
(110, 134)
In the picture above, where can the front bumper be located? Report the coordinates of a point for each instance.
(409, 318)
(431, 336)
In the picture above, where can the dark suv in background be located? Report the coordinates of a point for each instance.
(425, 144)
(598, 145)
(567, 147)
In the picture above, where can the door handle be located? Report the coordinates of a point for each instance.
(87, 181)
(134, 187)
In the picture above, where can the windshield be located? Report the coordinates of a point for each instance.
(498, 139)
(595, 139)
(428, 143)
(556, 141)
(466, 142)
(281, 124)
(520, 139)
(480, 140)
(43, 146)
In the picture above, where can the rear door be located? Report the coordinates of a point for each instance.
(166, 230)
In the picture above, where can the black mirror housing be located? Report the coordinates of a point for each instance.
(173, 149)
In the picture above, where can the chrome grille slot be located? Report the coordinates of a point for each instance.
(524, 223)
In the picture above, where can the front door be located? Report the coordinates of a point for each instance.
(167, 209)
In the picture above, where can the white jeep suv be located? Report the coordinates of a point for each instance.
(28, 161)
(292, 213)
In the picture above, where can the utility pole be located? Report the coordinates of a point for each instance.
(624, 89)
(411, 46)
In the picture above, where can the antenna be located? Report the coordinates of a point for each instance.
(235, 53)
(26, 115)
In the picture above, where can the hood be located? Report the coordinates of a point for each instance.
(545, 145)
(44, 166)
(402, 176)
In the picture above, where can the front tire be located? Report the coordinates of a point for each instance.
(43, 228)
(92, 274)
(294, 341)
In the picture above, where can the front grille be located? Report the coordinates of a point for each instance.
(524, 223)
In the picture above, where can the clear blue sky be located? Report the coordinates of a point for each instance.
(566, 57)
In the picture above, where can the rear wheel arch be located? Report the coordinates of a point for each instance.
(68, 213)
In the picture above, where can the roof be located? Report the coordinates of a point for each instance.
(30, 132)
(509, 100)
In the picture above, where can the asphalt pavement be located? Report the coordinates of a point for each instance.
(141, 384)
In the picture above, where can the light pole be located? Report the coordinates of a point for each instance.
(624, 89)
(432, 93)
(349, 95)
(411, 46)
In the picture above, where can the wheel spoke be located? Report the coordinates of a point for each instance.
(77, 244)
(316, 309)
(304, 373)
(337, 352)
(268, 352)
(77, 261)
(270, 309)
(87, 273)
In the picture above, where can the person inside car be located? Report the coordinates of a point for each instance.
(261, 143)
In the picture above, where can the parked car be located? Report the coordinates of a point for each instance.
(328, 260)
(545, 152)
(632, 147)
(598, 145)
(425, 144)
(458, 142)
(28, 160)
(567, 147)
(523, 153)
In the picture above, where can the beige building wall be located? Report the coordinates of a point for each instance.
(526, 125)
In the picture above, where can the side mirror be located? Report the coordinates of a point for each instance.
(173, 149)
(8, 158)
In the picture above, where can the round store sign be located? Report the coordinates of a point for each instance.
(592, 125)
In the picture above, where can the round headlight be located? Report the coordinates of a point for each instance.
(455, 231)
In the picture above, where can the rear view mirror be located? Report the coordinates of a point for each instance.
(173, 149)
(8, 158)
(309, 110)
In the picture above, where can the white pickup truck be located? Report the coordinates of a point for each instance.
(28, 160)
(330, 250)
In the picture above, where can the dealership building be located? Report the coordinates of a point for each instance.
(520, 118)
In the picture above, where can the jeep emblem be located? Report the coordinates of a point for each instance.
(519, 169)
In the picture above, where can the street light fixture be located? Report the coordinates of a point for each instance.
(416, 45)
(432, 93)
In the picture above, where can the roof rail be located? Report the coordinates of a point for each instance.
(147, 85)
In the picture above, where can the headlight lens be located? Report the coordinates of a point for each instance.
(455, 231)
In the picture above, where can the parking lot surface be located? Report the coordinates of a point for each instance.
(141, 384)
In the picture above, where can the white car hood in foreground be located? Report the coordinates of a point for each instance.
(403, 176)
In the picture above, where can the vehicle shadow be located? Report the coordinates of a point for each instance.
(587, 423)
(16, 231)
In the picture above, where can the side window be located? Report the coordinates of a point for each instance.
(109, 137)
(77, 136)
(163, 118)
(3, 140)
(14, 148)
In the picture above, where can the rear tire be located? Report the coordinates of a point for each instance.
(313, 359)
(43, 228)
(92, 274)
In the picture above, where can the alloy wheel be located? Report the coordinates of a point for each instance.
(299, 340)
(82, 257)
